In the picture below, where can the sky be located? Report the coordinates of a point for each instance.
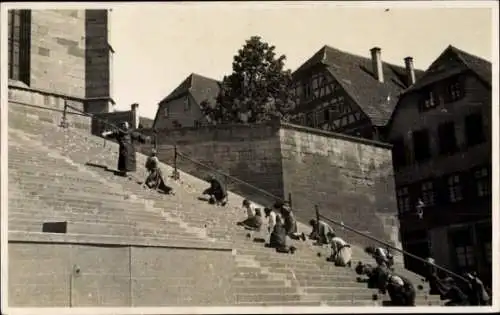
(158, 45)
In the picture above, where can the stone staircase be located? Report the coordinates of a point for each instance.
(45, 161)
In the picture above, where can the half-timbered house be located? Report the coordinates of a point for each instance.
(341, 92)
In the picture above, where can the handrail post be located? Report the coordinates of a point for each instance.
(64, 120)
(290, 199)
(176, 173)
(316, 208)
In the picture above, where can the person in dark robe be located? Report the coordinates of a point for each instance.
(401, 291)
(277, 240)
(377, 276)
(126, 138)
(155, 178)
(432, 277)
(321, 232)
(216, 192)
(290, 223)
(453, 293)
(476, 291)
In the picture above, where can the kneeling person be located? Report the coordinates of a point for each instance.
(341, 251)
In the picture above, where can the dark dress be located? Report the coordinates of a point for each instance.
(217, 190)
(278, 237)
(402, 295)
(290, 223)
(126, 158)
(155, 178)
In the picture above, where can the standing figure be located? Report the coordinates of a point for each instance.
(126, 138)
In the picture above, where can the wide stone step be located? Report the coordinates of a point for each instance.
(265, 290)
(28, 209)
(273, 297)
(165, 225)
(62, 188)
(102, 218)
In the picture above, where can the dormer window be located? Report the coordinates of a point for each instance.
(455, 91)
(429, 101)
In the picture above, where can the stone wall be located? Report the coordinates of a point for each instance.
(350, 179)
(48, 107)
(249, 153)
(96, 275)
(58, 51)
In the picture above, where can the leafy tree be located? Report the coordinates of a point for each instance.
(257, 90)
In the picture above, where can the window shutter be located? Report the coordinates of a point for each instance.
(441, 189)
(469, 185)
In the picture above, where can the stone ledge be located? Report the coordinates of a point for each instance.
(118, 241)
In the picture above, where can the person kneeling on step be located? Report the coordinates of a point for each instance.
(290, 222)
(341, 251)
(155, 178)
(320, 231)
(401, 291)
(216, 192)
(254, 222)
(278, 236)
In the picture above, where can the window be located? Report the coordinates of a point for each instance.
(455, 91)
(326, 115)
(487, 251)
(447, 138)
(429, 101)
(19, 41)
(454, 188)
(428, 194)
(421, 145)
(474, 129)
(186, 104)
(309, 120)
(165, 112)
(483, 183)
(398, 153)
(307, 91)
(403, 200)
(465, 256)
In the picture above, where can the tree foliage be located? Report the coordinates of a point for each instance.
(257, 90)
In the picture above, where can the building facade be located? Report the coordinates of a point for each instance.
(182, 107)
(66, 52)
(345, 93)
(441, 136)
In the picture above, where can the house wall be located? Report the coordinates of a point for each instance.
(184, 110)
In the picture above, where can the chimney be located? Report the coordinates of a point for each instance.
(410, 71)
(377, 64)
(135, 116)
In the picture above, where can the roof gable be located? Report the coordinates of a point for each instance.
(354, 73)
(450, 62)
(201, 88)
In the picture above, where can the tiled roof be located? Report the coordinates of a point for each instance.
(481, 67)
(201, 88)
(354, 73)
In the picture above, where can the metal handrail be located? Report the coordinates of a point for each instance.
(341, 224)
(231, 177)
(318, 215)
